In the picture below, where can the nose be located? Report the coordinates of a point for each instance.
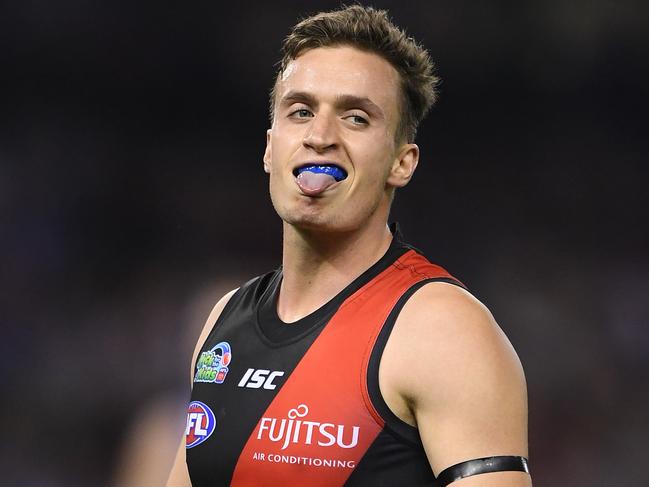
(321, 134)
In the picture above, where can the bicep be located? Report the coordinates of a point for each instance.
(477, 409)
(467, 394)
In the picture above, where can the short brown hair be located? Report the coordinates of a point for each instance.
(370, 30)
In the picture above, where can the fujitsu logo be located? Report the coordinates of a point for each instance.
(296, 430)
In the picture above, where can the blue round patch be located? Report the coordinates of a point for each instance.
(200, 424)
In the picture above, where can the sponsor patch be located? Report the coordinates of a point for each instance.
(212, 366)
(200, 424)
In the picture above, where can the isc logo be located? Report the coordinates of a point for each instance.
(256, 379)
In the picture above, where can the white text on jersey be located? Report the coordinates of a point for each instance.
(290, 431)
(256, 379)
(195, 422)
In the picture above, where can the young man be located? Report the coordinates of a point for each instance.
(358, 362)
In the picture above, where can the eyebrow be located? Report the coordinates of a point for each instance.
(341, 101)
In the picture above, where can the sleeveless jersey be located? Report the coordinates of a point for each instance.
(299, 404)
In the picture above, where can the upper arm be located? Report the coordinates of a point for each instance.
(179, 476)
(465, 388)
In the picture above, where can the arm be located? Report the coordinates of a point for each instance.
(179, 475)
(465, 390)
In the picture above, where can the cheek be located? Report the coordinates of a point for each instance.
(280, 185)
(273, 191)
(378, 167)
(274, 180)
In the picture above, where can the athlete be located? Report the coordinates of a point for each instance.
(357, 362)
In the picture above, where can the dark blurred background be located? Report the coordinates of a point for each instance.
(132, 197)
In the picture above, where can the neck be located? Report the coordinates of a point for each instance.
(317, 267)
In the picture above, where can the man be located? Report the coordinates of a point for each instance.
(358, 362)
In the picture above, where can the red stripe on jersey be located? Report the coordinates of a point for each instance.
(322, 422)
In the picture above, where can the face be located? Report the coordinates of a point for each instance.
(337, 107)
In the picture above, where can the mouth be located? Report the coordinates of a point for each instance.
(333, 170)
(314, 179)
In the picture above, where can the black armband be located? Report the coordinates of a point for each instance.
(482, 465)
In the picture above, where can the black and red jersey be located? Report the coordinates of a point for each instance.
(299, 405)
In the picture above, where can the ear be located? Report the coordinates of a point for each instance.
(267, 153)
(404, 165)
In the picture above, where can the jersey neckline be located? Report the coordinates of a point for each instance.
(277, 332)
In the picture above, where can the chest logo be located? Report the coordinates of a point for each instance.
(212, 366)
(296, 428)
(200, 424)
(258, 378)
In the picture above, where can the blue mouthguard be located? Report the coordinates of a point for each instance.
(334, 171)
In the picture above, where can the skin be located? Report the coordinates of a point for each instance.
(465, 390)
(327, 111)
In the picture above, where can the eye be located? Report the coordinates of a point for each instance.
(300, 113)
(357, 119)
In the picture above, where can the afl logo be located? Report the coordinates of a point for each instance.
(200, 424)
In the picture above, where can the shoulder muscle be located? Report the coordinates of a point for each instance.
(465, 387)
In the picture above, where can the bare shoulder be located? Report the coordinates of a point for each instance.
(209, 324)
(465, 388)
(445, 326)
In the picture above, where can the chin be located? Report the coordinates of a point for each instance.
(320, 222)
(324, 218)
(309, 222)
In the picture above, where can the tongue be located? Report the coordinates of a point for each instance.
(312, 183)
